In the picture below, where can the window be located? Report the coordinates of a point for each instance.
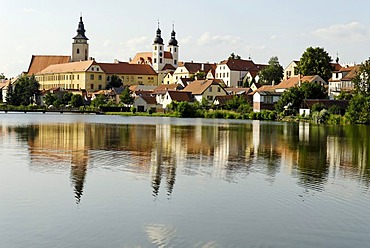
(92, 68)
(78, 77)
(223, 75)
(160, 61)
(160, 48)
(78, 51)
(97, 68)
(175, 49)
(78, 86)
(92, 86)
(132, 78)
(268, 99)
(100, 87)
(170, 49)
(175, 62)
(155, 60)
(100, 77)
(155, 48)
(227, 74)
(209, 98)
(92, 76)
(108, 78)
(219, 89)
(210, 89)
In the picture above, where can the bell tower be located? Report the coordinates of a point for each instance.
(173, 47)
(158, 51)
(80, 47)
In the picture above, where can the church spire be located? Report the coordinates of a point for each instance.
(81, 30)
(158, 39)
(173, 41)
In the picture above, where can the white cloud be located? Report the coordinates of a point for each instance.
(353, 31)
(138, 44)
(28, 10)
(185, 40)
(208, 39)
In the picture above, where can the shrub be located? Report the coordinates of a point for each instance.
(133, 109)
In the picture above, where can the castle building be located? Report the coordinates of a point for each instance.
(162, 60)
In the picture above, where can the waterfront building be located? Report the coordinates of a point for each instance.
(207, 89)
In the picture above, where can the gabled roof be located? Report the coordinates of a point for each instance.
(336, 66)
(181, 96)
(80, 66)
(199, 86)
(126, 68)
(240, 65)
(148, 99)
(168, 67)
(352, 74)
(197, 67)
(40, 62)
(238, 91)
(142, 56)
(293, 81)
(166, 87)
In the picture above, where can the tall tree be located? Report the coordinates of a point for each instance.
(315, 61)
(115, 82)
(23, 92)
(274, 72)
(77, 101)
(126, 97)
(362, 79)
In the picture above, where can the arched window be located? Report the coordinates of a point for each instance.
(78, 50)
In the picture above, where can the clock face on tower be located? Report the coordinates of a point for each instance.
(160, 54)
(155, 54)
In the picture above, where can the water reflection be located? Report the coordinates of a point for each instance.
(227, 151)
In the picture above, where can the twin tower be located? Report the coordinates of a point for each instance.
(160, 58)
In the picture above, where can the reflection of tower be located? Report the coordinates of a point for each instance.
(256, 135)
(78, 172)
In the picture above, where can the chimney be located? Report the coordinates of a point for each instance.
(273, 82)
(202, 67)
(116, 61)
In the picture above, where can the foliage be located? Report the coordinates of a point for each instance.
(77, 101)
(126, 97)
(100, 100)
(133, 109)
(343, 95)
(274, 72)
(24, 91)
(313, 91)
(362, 79)
(317, 107)
(115, 82)
(233, 56)
(320, 117)
(2, 76)
(358, 110)
(49, 98)
(263, 115)
(289, 100)
(199, 75)
(334, 110)
(292, 98)
(315, 61)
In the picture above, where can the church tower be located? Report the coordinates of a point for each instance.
(173, 47)
(158, 52)
(80, 47)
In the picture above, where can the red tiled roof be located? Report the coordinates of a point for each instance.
(68, 67)
(40, 62)
(181, 96)
(149, 99)
(126, 68)
(196, 67)
(240, 65)
(166, 87)
(169, 67)
(199, 86)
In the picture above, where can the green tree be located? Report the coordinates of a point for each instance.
(274, 72)
(49, 98)
(115, 82)
(233, 56)
(290, 100)
(66, 97)
(315, 61)
(313, 91)
(358, 111)
(100, 100)
(23, 92)
(362, 79)
(126, 97)
(76, 101)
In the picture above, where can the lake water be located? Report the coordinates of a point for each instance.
(111, 181)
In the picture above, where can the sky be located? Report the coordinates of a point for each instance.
(207, 31)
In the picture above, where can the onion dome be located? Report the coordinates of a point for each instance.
(158, 39)
(173, 41)
(81, 31)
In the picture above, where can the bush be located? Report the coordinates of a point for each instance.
(133, 109)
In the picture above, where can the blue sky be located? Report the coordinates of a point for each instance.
(207, 31)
